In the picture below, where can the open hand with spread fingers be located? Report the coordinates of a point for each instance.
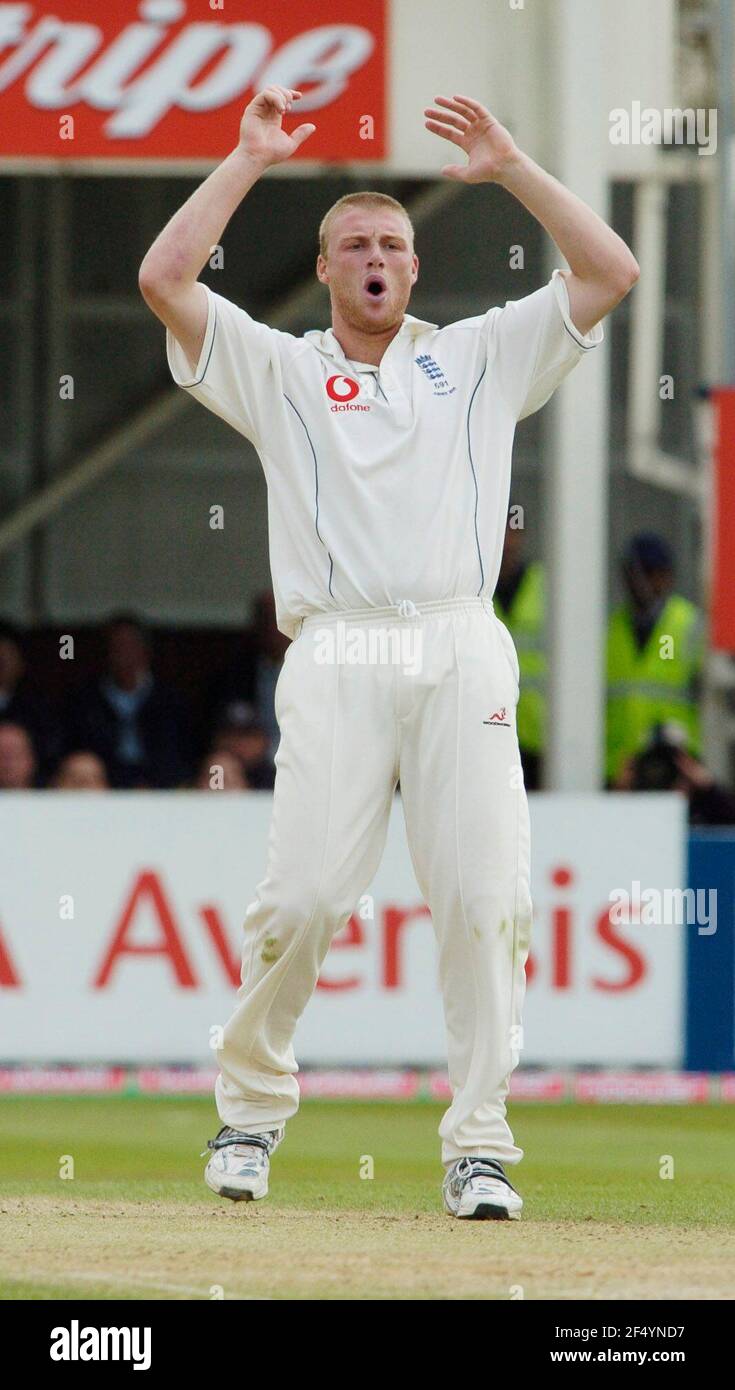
(262, 136)
(489, 147)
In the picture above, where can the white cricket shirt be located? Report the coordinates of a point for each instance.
(391, 482)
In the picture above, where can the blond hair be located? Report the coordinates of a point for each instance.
(369, 199)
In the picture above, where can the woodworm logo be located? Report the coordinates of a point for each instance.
(499, 719)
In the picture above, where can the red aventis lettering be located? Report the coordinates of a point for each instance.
(169, 79)
(147, 893)
(8, 974)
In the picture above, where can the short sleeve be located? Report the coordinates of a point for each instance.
(536, 345)
(238, 369)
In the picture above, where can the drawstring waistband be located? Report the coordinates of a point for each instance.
(407, 609)
(404, 609)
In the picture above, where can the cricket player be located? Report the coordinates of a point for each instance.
(386, 446)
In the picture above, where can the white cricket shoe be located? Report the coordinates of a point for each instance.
(238, 1168)
(478, 1188)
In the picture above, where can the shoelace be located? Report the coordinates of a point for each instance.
(227, 1135)
(469, 1168)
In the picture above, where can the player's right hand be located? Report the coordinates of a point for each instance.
(261, 134)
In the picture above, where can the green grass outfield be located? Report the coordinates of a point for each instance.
(136, 1220)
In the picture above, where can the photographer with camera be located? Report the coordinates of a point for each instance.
(666, 765)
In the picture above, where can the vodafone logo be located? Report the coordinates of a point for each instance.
(342, 388)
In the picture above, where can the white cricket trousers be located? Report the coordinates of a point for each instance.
(444, 724)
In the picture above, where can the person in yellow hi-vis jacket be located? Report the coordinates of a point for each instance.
(654, 656)
(520, 603)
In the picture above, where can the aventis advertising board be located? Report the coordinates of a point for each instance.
(168, 80)
(121, 934)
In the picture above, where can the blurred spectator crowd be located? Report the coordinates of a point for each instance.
(124, 727)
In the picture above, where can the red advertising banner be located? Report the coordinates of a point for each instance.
(125, 946)
(169, 79)
(723, 549)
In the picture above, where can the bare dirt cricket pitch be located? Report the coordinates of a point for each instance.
(137, 1222)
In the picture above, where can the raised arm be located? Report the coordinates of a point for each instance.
(169, 273)
(602, 268)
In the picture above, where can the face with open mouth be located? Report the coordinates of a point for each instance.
(371, 268)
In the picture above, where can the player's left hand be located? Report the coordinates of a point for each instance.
(488, 145)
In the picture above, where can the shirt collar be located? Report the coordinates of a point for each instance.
(326, 341)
